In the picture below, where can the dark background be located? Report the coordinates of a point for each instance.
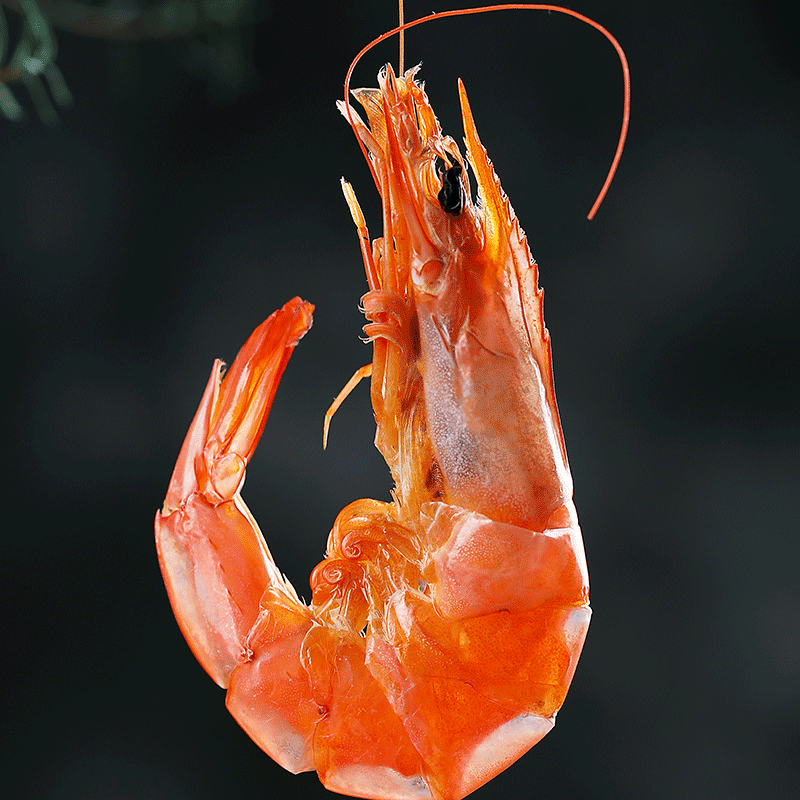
(154, 227)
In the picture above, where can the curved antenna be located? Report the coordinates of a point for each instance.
(404, 26)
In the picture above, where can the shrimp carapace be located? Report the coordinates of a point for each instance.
(462, 326)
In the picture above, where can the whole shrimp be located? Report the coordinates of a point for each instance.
(445, 626)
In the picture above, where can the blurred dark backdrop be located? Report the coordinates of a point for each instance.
(163, 218)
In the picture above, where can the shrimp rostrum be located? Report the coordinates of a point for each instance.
(446, 625)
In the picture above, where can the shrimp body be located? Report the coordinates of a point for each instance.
(445, 626)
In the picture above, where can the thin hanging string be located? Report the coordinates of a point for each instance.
(404, 26)
(402, 37)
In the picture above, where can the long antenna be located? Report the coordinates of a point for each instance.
(403, 26)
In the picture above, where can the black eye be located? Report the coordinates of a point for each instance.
(450, 195)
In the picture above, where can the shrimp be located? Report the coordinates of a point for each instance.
(445, 626)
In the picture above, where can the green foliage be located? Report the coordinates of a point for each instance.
(32, 64)
(208, 37)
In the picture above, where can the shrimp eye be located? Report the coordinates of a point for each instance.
(450, 195)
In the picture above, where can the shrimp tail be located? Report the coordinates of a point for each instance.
(214, 559)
